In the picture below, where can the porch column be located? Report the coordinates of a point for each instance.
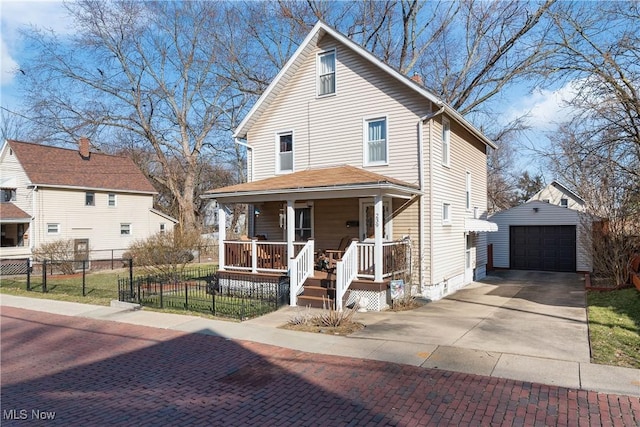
(222, 234)
(377, 247)
(291, 227)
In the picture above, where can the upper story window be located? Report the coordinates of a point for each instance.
(284, 161)
(112, 199)
(8, 195)
(162, 227)
(446, 141)
(326, 73)
(468, 192)
(564, 203)
(89, 198)
(376, 147)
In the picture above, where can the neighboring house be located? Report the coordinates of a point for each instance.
(541, 236)
(558, 194)
(341, 146)
(102, 202)
(210, 219)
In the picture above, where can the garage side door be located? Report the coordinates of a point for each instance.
(543, 247)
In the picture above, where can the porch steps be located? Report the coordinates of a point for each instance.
(319, 291)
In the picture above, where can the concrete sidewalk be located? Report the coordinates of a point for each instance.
(402, 348)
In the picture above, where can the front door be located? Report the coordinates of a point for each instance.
(367, 220)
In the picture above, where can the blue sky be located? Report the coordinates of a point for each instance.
(543, 106)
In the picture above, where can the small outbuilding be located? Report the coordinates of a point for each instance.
(541, 236)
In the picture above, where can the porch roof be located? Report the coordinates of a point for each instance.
(11, 213)
(322, 183)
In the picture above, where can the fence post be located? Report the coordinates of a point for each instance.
(131, 277)
(44, 276)
(28, 274)
(186, 295)
(161, 298)
(139, 296)
(84, 276)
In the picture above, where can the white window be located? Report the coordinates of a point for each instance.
(468, 192)
(53, 228)
(446, 141)
(284, 161)
(89, 198)
(112, 199)
(125, 229)
(162, 227)
(8, 195)
(376, 147)
(326, 73)
(446, 213)
(564, 203)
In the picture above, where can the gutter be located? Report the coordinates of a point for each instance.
(421, 224)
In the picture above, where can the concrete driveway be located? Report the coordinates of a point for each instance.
(538, 314)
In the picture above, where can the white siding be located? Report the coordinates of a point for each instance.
(334, 124)
(547, 214)
(449, 186)
(99, 223)
(14, 176)
(554, 194)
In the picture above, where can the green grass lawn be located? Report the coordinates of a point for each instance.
(614, 327)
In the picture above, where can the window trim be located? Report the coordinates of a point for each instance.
(365, 140)
(129, 231)
(565, 204)
(305, 205)
(57, 225)
(278, 166)
(468, 204)
(335, 73)
(115, 200)
(13, 194)
(446, 142)
(86, 198)
(446, 209)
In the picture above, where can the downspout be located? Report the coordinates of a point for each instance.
(251, 217)
(421, 224)
(32, 228)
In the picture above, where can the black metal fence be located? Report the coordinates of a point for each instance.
(236, 296)
(70, 277)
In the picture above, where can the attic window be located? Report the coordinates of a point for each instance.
(326, 73)
(564, 203)
(89, 198)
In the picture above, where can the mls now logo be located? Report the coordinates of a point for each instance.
(23, 414)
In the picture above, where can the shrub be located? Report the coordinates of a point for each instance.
(165, 253)
(59, 251)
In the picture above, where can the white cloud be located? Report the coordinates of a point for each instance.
(544, 108)
(17, 15)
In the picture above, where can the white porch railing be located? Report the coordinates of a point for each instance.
(300, 268)
(396, 259)
(346, 272)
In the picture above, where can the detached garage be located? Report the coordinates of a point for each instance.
(540, 236)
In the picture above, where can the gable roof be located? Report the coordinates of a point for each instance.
(332, 179)
(562, 188)
(304, 50)
(61, 167)
(11, 213)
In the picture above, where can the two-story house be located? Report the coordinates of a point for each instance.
(558, 194)
(343, 150)
(101, 202)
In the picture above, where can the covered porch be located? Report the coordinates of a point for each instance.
(15, 225)
(343, 214)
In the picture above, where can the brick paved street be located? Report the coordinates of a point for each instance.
(91, 372)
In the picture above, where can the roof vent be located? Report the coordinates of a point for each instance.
(83, 148)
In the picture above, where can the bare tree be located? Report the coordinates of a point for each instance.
(149, 69)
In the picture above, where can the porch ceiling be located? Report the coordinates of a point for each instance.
(326, 183)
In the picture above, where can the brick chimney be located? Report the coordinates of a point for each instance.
(417, 78)
(83, 148)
